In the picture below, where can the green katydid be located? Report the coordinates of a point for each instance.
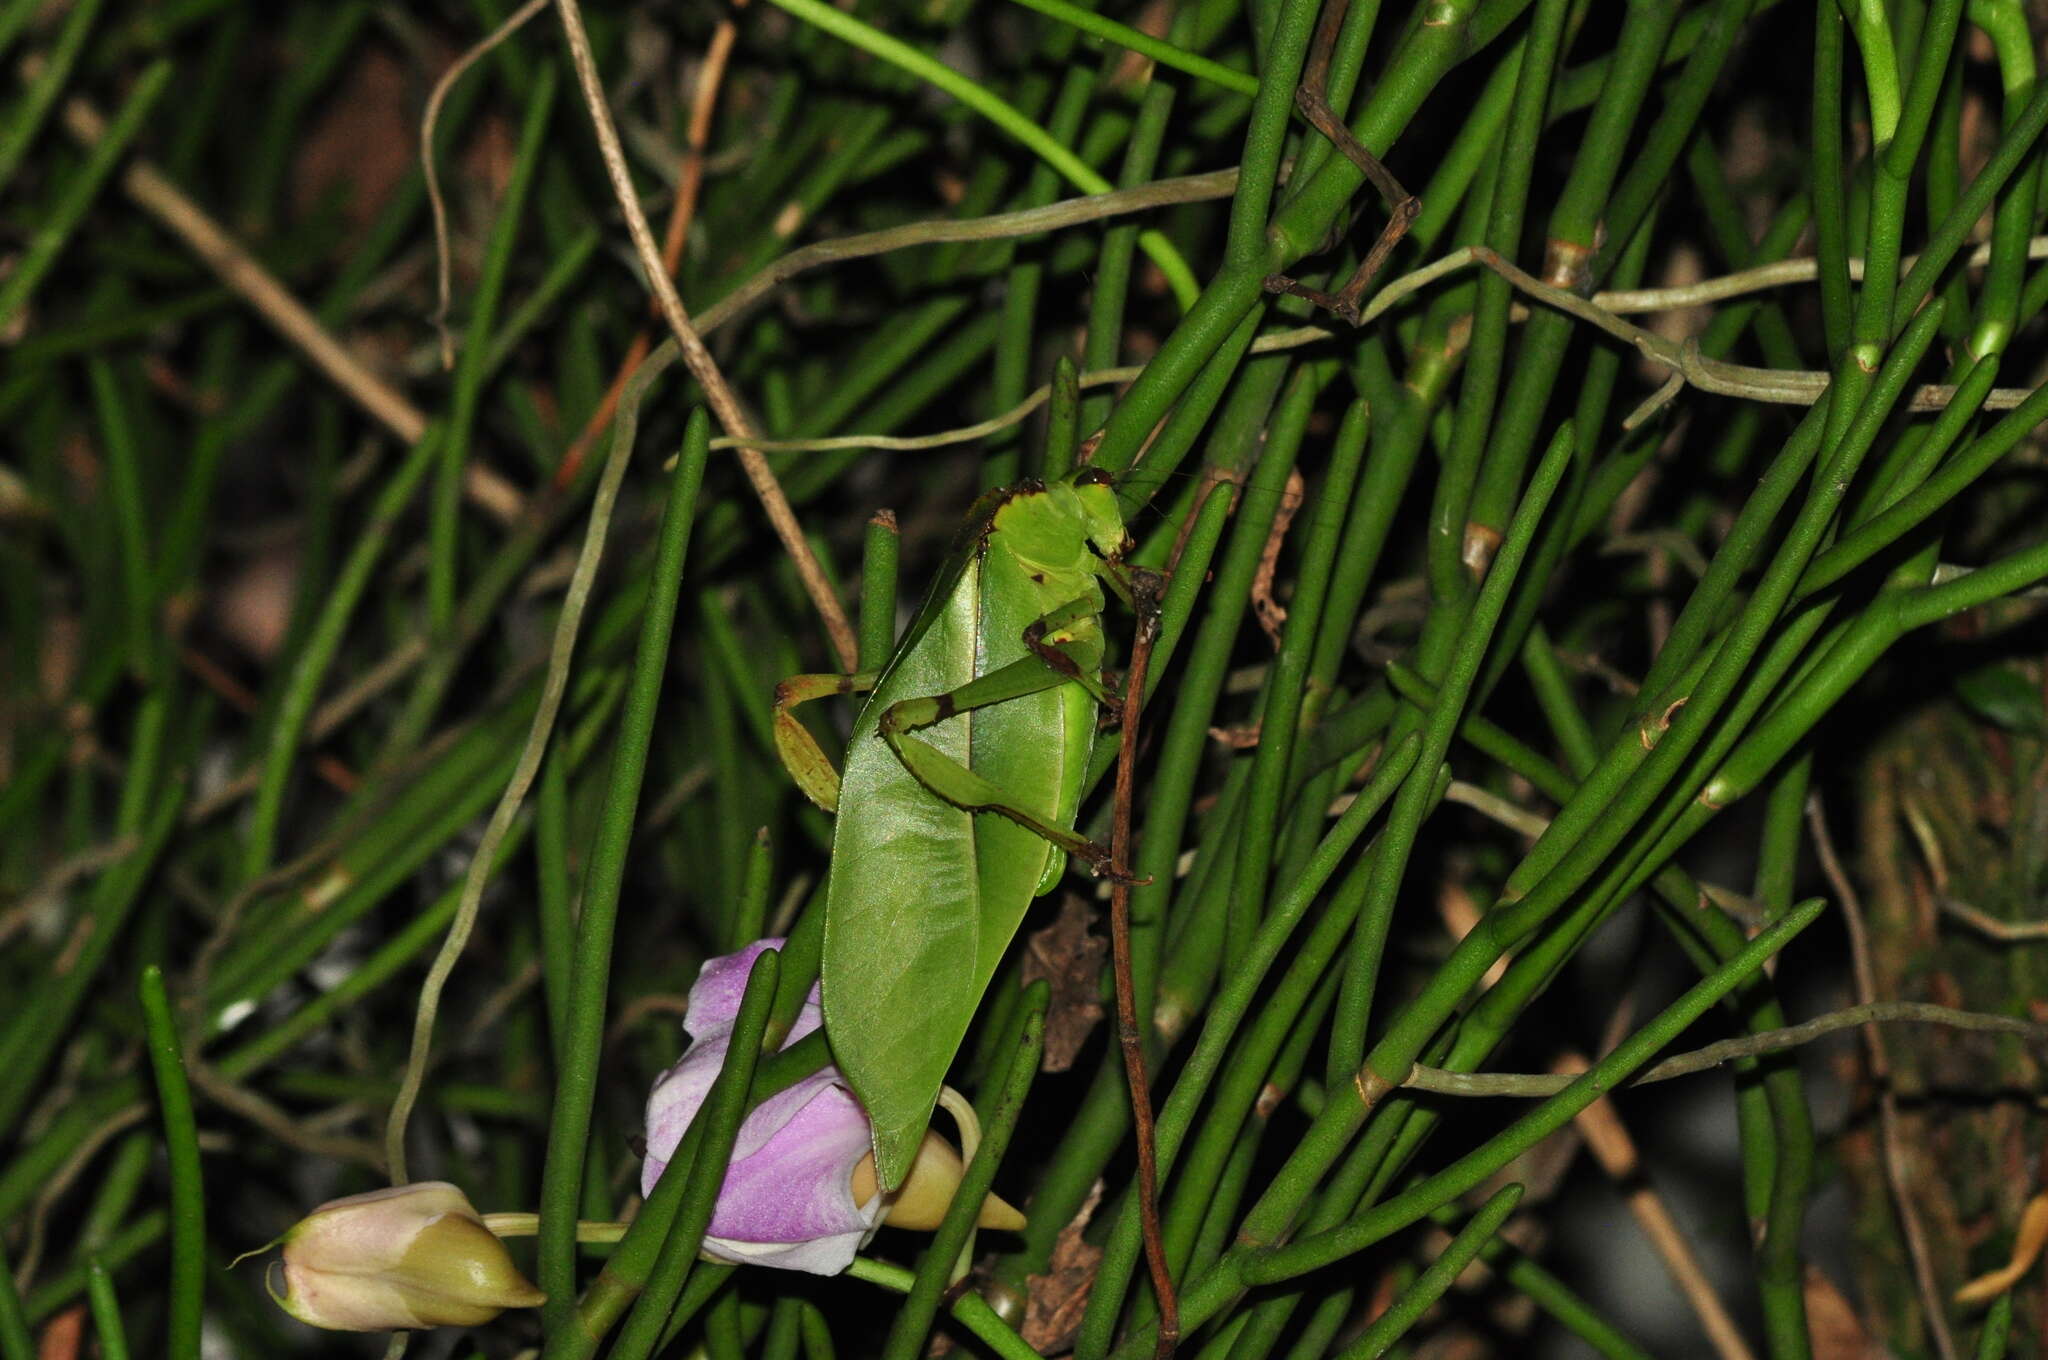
(962, 777)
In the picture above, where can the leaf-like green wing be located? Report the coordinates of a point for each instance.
(923, 897)
(901, 904)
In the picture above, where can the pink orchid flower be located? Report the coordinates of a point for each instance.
(800, 1192)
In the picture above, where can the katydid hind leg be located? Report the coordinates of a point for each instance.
(809, 766)
(947, 778)
(1051, 663)
(1042, 639)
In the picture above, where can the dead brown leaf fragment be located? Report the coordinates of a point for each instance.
(358, 141)
(1069, 958)
(1272, 615)
(1052, 1318)
(62, 1335)
(1836, 1330)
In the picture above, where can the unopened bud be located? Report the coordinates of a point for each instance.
(412, 1256)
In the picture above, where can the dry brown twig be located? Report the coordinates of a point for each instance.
(1130, 1037)
(724, 404)
(1684, 361)
(689, 181)
(1543, 1085)
(1608, 1138)
(278, 1123)
(2005, 932)
(1271, 613)
(1523, 822)
(216, 677)
(50, 888)
(436, 204)
(59, 1183)
(1890, 1142)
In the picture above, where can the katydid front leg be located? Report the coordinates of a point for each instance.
(810, 767)
(1049, 666)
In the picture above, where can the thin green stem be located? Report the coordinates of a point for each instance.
(106, 1311)
(992, 107)
(1161, 51)
(187, 1284)
(323, 642)
(444, 521)
(1252, 1264)
(1226, 1013)
(720, 1116)
(913, 1322)
(1404, 1312)
(78, 192)
(589, 987)
(1994, 1341)
(971, 1310)
(26, 118)
(16, 1342)
(1872, 28)
(1416, 799)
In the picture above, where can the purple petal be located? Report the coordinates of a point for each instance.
(819, 1256)
(679, 1093)
(721, 983)
(677, 1096)
(798, 1185)
(787, 1200)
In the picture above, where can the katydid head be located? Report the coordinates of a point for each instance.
(1102, 519)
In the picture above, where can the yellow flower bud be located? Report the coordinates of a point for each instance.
(920, 1202)
(412, 1256)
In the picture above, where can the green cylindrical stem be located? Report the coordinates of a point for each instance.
(576, 1084)
(1225, 1013)
(720, 1116)
(1405, 1311)
(1354, 1002)
(188, 1192)
(914, 1320)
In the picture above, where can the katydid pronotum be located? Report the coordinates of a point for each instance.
(962, 777)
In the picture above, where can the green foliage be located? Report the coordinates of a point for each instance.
(2002, 696)
(410, 730)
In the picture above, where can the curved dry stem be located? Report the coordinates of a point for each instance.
(1542, 1085)
(553, 687)
(437, 205)
(1687, 365)
(1777, 274)
(1890, 1141)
